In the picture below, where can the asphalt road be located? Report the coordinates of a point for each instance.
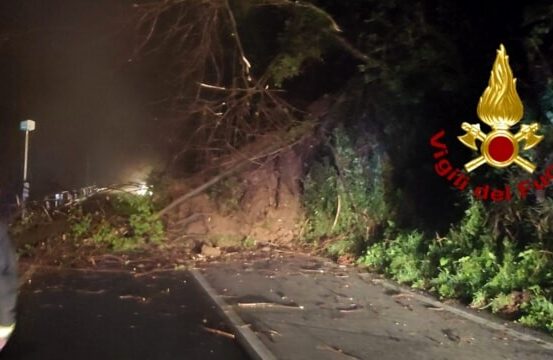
(110, 315)
(305, 308)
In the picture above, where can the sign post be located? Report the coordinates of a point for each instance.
(27, 126)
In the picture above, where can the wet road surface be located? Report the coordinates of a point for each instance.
(305, 308)
(110, 315)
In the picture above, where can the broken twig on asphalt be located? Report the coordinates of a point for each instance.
(264, 305)
(337, 350)
(219, 332)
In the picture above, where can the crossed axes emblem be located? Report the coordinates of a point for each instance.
(500, 148)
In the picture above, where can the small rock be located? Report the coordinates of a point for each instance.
(451, 335)
(210, 251)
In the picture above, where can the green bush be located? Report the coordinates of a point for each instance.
(464, 277)
(501, 301)
(80, 225)
(406, 258)
(376, 257)
(538, 312)
(526, 269)
(320, 199)
(401, 258)
(469, 265)
(344, 198)
(133, 224)
(106, 234)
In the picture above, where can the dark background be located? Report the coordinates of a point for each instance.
(63, 64)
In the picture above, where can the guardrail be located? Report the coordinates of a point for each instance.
(66, 198)
(49, 203)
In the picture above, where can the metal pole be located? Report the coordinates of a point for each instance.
(26, 156)
(25, 190)
(27, 126)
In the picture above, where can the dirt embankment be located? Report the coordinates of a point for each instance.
(257, 206)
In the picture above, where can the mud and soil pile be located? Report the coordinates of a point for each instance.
(257, 206)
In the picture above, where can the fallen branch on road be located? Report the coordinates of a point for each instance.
(219, 332)
(134, 297)
(264, 305)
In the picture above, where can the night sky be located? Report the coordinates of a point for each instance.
(64, 65)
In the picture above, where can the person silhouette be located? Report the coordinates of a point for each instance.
(8, 285)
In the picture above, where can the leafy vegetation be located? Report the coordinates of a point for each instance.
(344, 202)
(469, 264)
(132, 224)
(306, 35)
(538, 312)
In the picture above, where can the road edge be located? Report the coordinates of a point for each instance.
(387, 284)
(253, 346)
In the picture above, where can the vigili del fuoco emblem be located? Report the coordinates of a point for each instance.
(501, 108)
